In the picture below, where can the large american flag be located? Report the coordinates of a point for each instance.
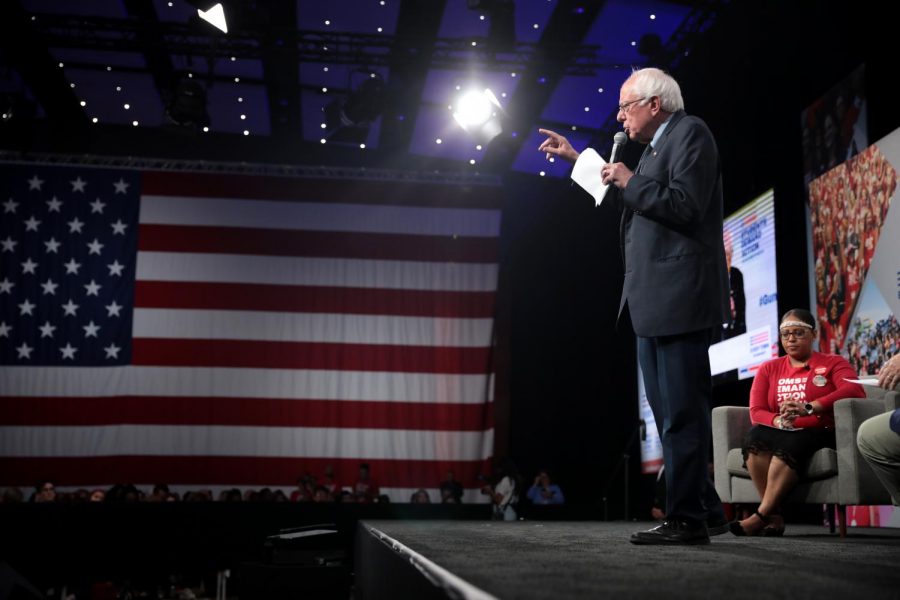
(216, 331)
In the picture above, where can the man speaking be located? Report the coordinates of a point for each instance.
(676, 284)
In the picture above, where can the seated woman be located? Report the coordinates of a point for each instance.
(791, 407)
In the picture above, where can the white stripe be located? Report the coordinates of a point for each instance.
(281, 270)
(311, 216)
(244, 383)
(225, 440)
(396, 494)
(311, 327)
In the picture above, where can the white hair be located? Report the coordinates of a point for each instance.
(649, 82)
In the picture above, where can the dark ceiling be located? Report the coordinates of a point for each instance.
(104, 68)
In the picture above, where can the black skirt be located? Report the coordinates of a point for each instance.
(793, 447)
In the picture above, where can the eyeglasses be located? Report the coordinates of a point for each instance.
(797, 333)
(624, 107)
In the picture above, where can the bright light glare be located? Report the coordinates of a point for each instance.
(215, 16)
(473, 108)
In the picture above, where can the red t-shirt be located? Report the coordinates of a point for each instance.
(824, 379)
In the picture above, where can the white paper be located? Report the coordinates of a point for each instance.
(870, 381)
(587, 174)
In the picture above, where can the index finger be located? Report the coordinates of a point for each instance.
(548, 132)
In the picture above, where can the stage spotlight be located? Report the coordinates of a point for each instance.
(479, 113)
(188, 105)
(215, 16)
(347, 119)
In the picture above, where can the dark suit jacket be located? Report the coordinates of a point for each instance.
(675, 275)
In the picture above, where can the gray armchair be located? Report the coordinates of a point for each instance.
(840, 477)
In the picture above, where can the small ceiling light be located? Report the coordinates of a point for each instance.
(324, 90)
(542, 173)
(587, 109)
(536, 26)
(652, 17)
(94, 120)
(243, 117)
(327, 22)
(474, 43)
(240, 98)
(237, 79)
(190, 75)
(325, 69)
(215, 16)
(552, 159)
(633, 43)
(71, 85)
(481, 17)
(246, 132)
(439, 141)
(324, 125)
(205, 128)
(109, 68)
(83, 103)
(362, 146)
(233, 58)
(135, 123)
(600, 90)
(322, 141)
(118, 88)
(471, 161)
(61, 65)
(170, 4)
(381, 3)
(380, 30)
(513, 74)
(478, 147)
(126, 106)
(503, 94)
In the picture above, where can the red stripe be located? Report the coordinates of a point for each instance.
(310, 355)
(265, 412)
(217, 185)
(229, 470)
(314, 299)
(285, 242)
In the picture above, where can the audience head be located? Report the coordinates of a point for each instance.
(45, 491)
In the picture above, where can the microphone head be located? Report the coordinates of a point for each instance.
(620, 138)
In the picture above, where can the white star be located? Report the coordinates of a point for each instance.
(68, 351)
(32, 224)
(52, 245)
(53, 205)
(90, 330)
(10, 206)
(50, 287)
(34, 183)
(94, 247)
(113, 309)
(92, 288)
(112, 351)
(69, 308)
(75, 225)
(119, 227)
(25, 308)
(121, 186)
(78, 184)
(72, 267)
(115, 268)
(47, 330)
(4, 329)
(97, 206)
(24, 350)
(9, 244)
(29, 266)
(6, 286)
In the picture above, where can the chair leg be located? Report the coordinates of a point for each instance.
(842, 519)
(831, 510)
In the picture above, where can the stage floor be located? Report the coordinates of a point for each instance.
(530, 559)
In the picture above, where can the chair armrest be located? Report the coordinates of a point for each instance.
(891, 401)
(857, 484)
(729, 426)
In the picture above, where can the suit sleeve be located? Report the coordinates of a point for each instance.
(692, 175)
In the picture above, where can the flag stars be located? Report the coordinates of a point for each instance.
(49, 287)
(52, 246)
(26, 308)
(5, 329)
(53, 205)
(121, 186)
(92, 288)
(35, 183)
(78, 184)
(97, 206)
(90, 330)
(29, 266)
(72, 267)
(95, 247)
(6, 286)
(68, 351)
(24, 351)
(118, 227)
(113, 309)
(47, 330)
(10, 206)
(115, 268)
(9, 244)
(112, 351)
(69, 308)
(32, 224)
(75, 225)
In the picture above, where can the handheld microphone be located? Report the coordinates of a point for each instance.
(619, 140)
